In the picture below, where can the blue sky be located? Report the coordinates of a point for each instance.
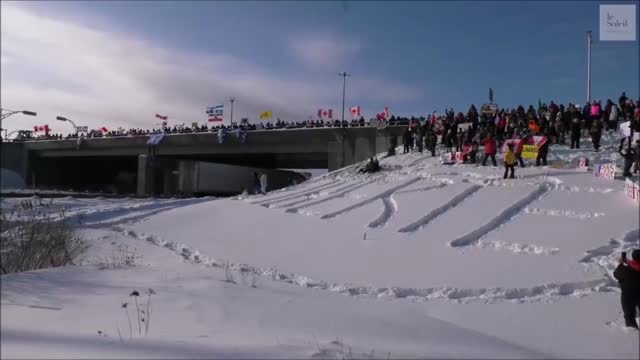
(118, 63)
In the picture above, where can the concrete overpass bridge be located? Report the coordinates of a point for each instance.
(131, 165)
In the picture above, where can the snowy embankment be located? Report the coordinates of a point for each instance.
(420, 260)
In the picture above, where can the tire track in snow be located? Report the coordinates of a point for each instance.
(566, 213)
(336, 195)
(371, 199)
(455, 201)
(518, 248)
(426, 188)
(538, 293)
(301, 192)
(288, 205)
(390, 208)
(501, 219)
(126, 215)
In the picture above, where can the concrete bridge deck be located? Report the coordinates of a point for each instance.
(68, 163)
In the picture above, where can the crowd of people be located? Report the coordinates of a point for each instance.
(491, 129)
(182, 129)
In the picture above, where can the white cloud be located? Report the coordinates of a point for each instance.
(323, 50)
(99, 78)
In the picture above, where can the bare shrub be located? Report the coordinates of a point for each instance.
(228, 275)
(121, 258)
(34, 236)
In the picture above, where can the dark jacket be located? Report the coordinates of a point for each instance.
(628, 275)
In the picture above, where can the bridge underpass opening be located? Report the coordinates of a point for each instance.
(113, 174)
(262, 160)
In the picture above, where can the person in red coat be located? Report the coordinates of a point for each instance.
(490, 148)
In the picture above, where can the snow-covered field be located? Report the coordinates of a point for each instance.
(420, 260)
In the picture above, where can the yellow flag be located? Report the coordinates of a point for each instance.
(266, 115)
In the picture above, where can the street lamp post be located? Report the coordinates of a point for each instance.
(588, 66)
(344, 86)
(62, 118)
(232, 99)
(12, 112)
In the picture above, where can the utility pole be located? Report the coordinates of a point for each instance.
(588, 66)
(232, 99)
(344, 86)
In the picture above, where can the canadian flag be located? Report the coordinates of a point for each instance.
(383, 115)
(355, 111)
(44, 128)
(325, 113)
(162, 117)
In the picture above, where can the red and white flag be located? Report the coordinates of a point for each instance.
(162, 117)
(325, 113)
(383, 115)
(355, 111)
(215, 118)
(104, 129)
(40, 128)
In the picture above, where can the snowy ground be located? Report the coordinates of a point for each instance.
(420, 260)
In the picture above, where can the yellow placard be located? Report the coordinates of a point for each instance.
(529, 151)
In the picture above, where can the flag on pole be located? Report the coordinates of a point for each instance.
(383, 115)
(82, 129)
(162, 117)
(266, 115)
(215, 110)
(325, 113)
(104, 129)
(355, 111)
(40, 128)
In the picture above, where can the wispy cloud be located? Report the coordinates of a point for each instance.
(103, 78)
(323, 50)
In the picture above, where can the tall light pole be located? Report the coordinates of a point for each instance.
(12, 112)
(344, 86)
(232, 99)
(588, 66)
(62, 118)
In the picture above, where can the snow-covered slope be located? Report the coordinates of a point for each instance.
(419, 260)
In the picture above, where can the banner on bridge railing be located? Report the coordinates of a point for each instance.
(632, 189)
(155, 139)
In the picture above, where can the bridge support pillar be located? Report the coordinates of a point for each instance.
(349, 149)
(143, 181)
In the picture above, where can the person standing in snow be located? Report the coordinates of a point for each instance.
(432, 140)
(406, 139)
(596, 134)
(509, 161)
(628, 275)
(256, 183)
(489, 150)
(629, 157)
(575, 133)
(263, 183)
(542, 152)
